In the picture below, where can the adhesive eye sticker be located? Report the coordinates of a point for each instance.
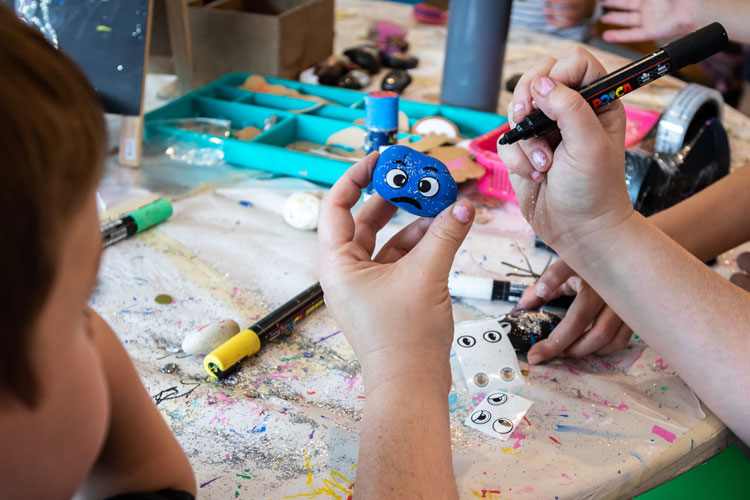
(486, 356)
(498, 414)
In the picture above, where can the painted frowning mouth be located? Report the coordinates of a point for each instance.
(405, 199)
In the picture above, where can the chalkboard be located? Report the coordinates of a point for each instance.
(107, 38)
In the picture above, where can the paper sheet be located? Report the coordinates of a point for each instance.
(287, 425)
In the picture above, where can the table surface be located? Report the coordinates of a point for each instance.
(286, 426)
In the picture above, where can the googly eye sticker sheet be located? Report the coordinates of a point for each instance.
(488, 360)
(498, 414)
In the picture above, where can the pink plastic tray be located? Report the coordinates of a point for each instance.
(496, 182)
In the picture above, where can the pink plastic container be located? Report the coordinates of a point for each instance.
(495, 181)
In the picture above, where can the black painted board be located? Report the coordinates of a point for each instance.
(107, 38)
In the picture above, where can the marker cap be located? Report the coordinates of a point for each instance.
(151, 214)
(381, 110)
(223, 358)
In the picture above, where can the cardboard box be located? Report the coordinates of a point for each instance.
(269, 37)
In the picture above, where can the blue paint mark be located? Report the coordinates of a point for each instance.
(453, 405)
(177, 414)
(308, 354)
(563, 415)
(589, 432)
(691, 444)
(533, 339)
(636, 455)
(246, 203)
(258, 430)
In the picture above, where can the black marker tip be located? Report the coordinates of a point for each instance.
(503, 140)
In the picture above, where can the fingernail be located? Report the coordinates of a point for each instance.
(536, 174)
(540, 159)
(541, 290)
(544, 85)
(534, 359)
(461, 213)
(517, 109)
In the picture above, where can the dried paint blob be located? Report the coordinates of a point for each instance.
(164, 299)
(169, 368)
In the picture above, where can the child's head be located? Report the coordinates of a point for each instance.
(52, 149)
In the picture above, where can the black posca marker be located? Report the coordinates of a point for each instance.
(689, 49)
(481, 287)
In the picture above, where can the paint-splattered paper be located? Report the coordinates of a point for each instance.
(286, 426)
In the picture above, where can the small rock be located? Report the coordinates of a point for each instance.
(366, 57)
(400, 60)
(356, 79)
(301, 210)
(396, 80)
(208, 337)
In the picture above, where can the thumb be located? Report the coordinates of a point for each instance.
(440, 243)
(575, 118)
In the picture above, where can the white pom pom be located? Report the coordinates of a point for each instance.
(301, 210)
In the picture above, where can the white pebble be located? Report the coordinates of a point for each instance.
(301, 210)
(208, 337)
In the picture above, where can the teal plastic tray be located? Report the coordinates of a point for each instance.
(296, 120)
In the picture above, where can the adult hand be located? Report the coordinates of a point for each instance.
(648, 19)
(570, 184)
(394, 308)
(573, 337)
(568, 13)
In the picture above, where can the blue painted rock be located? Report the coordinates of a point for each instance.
(419, 184)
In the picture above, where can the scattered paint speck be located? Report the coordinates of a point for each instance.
(164, 299)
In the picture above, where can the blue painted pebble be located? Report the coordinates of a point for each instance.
(413, 181)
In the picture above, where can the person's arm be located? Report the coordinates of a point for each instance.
(707, 224)
(140, 454)
(395, 310)
(712, 221)
(658, 19)
(694, 318)
(698, 321)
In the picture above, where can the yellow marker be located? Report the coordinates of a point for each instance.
(222, 360)
(242, 345)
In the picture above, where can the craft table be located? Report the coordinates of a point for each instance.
(287, 425)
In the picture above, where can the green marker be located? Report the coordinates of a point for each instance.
(136, 221)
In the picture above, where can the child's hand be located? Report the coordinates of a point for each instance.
(648, 20)
(569, 184)
(564, 14)
(573, 337)
(394, 308)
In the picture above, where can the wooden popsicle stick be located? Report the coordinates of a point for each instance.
(131, 141)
